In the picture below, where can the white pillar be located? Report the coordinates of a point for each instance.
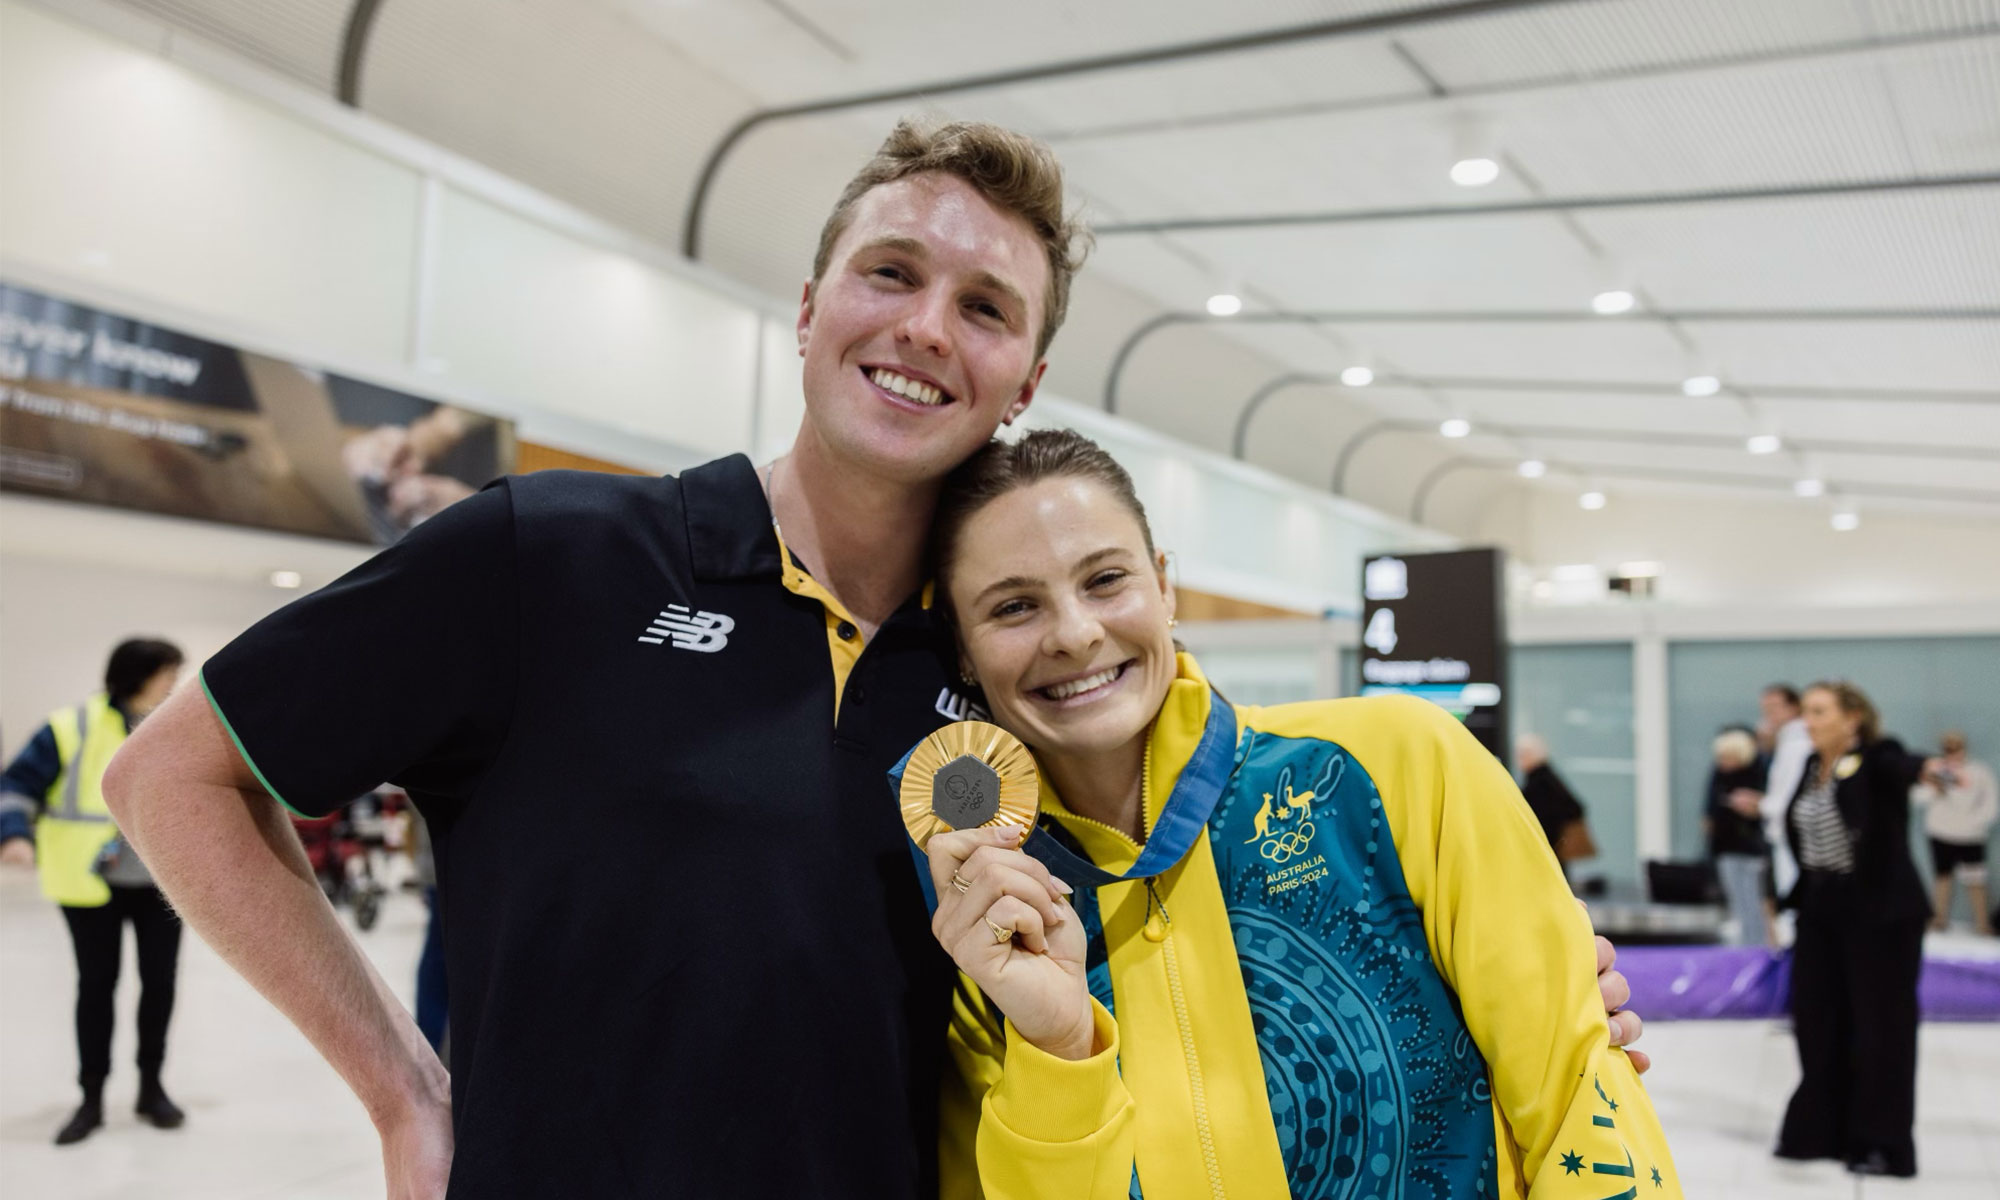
(1650, 745)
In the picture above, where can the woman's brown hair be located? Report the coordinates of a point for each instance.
(1002, 467)
(1855, 703)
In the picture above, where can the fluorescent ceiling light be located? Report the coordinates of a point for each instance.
(1700, 385)
(1610, 304)
(1808, 488)
(1224, 304)
(1846, 522)
(286, 579)
(1456, 427)
(1533, 468)
(1357, 377)
(1474, 172)
(1591, 500)
(1763, 443)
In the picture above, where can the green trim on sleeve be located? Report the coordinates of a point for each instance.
(248, 761)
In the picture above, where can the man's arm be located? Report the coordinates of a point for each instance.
(23, 788)
(226, 856)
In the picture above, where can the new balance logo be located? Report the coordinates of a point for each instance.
(689, 630)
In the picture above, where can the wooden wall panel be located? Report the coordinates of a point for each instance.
(1206, 606)
(529, 456)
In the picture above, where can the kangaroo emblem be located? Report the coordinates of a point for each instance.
(1262, 821)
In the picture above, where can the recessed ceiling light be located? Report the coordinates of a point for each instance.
(1224, 304)
(1591, 500)
(1456, 427)
(1474, 172)
(1846, 522)
(1700, 385)
(1763, 443)
(286, 579)
(1808, 488)
(1357, 377)
(1532, 468)
(1610, 304)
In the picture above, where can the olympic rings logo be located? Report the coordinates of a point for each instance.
(1285, 847)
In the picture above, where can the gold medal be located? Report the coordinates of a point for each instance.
(967, 776)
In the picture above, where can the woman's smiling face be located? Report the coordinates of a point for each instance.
(1064, 616)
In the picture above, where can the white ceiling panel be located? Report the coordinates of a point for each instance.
(570, 98)
(1608, 349)
(1786, 123)
(1868, 354)
(1955, 424)
(1075, 112)
(841, 47)
(1714, 415)
(1894, 250)
(1949, 101)
(1493, 262)
(613, 105)
(300, 39)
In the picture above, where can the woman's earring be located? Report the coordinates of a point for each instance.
(967, 680)
(1173, 621)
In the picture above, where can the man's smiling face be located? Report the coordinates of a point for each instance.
(919, 340)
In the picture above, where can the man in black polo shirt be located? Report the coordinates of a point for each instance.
(649, 722)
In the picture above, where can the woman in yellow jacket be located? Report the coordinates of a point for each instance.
(1316, 950)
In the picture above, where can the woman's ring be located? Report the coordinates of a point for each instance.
(960, 882)
(1001, 934)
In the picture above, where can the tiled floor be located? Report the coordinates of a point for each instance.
(266, 1119)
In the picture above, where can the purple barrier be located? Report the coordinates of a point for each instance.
(1690, 983)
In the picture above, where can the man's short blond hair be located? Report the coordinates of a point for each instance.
(1016, 173)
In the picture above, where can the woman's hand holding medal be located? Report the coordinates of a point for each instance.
(969, 794)
(1007, 923)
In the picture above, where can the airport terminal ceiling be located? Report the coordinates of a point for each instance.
(1721, 250)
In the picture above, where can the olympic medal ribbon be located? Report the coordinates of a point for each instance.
(1181, 821)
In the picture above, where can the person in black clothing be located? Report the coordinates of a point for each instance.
(1736, 831)
(52, 815)
(1862, 912)
(1558, 810)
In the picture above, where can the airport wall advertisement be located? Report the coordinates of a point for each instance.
(104, 409)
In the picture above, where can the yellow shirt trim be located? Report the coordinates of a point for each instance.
(846, 651)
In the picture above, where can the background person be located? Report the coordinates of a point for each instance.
(56, 782)
(1557, 809)
(1736, 832)
(1861, 914)
(1790, 746)
(1960, 807)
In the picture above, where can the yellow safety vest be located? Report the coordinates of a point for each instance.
(75, 825)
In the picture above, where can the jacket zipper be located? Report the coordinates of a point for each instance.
(1204, 1132)
(1197, 1092)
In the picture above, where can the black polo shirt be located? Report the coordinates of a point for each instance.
(689, 955)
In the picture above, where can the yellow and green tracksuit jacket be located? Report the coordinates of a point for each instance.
(1368, 978)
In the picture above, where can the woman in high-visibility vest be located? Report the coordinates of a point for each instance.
(52, 813)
